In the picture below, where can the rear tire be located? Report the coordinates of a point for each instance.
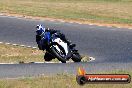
(76, 57)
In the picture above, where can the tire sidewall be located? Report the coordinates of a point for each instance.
(63, 60)
(76, 57)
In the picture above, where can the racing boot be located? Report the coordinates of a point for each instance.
(67, 41)
(70, 44)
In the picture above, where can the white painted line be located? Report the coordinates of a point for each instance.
(118, 27)
(129, 28)
(52, 62)
(100, 25)
(8, 63)
(56, 62)
(44, 62)
(19, 45)
(7, 43)
(34, 47)
(90, 24)
(1, 42)
(69, 61)
(38, 62)
(29, 46)
(22, 45)
(79, 23)
(14, 44)
(31, 63)
(1, 14)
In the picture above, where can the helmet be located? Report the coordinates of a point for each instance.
(40, 29)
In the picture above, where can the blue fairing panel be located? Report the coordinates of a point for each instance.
(47, 36)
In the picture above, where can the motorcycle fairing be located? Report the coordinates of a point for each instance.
(61, 43)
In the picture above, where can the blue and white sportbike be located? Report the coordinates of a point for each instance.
(59, 49)
(62, 51)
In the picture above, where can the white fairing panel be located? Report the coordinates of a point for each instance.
(63, 44)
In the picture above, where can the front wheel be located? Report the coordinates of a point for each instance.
(59, 55)
(76, 57)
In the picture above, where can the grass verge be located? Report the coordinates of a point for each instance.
(16, 54)
(57, 81)
(95, 11)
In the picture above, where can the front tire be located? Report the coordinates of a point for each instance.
(60, 58)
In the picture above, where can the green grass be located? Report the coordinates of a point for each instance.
(100, 11)
(56, 81)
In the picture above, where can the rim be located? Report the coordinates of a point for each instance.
(61, 53)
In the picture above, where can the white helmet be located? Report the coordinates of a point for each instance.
(40, 29)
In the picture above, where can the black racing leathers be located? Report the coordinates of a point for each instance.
(41, 43)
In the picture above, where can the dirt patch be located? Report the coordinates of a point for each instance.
(70, 21)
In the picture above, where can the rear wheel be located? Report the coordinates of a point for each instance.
(76, 57)
(59, 54)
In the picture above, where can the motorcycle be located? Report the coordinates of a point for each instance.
(59, 49)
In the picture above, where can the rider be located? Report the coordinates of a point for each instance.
(40, 31)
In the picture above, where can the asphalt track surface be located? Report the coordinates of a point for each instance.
(112, 47)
